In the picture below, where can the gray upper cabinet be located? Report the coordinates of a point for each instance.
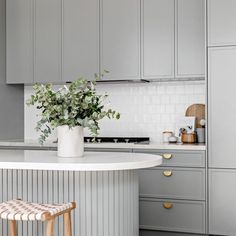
(120, 38)
(47, 41)
(19, 41)
(190, 38)
(33, 41)
(80, 39)
(222, 109)
(58, 41)
(158, 39)
(221, 22)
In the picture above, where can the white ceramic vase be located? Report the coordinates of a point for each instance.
(70, 141)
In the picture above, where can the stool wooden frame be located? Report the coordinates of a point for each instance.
(50, 222)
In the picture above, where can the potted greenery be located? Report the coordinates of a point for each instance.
(70, 109)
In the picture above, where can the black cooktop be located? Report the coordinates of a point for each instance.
(141, 140)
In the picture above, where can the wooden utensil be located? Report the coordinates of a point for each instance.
(197, 110)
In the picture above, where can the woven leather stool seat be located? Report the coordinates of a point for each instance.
(18, 210)
(21, 210)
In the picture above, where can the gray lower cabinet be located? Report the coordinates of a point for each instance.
(222, 204)
(107, 149)
(164, 233)
(178, 158)
(173, 215)
(171, 183)
(173, 196)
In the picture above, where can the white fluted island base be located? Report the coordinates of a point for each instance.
(107, 201)
(104, 186)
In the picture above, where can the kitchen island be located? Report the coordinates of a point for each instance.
(104, 185)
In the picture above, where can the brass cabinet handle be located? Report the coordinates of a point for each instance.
(167, 173)
(167, 205)
(167, 156)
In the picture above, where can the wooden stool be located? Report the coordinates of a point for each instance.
(18, 210)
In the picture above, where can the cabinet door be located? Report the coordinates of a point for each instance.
(190, 38)
(80, 39)
(171, 183)
(47, 41)
(19, 41)
(178, 158)
(222, 204)
(120, 38)
(222, 109)
(165, 233)
(172, 215)
(221, 22)
(158, 39)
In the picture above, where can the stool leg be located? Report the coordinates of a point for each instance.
(13, 228)
(67, 223)
(50, 227)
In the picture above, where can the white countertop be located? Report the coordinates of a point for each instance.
(92, 161)
(160, 146)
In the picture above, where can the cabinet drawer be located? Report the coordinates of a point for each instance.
(91, 149)
(179, 158)
(165, 233)
(178, 183)
(179, 216)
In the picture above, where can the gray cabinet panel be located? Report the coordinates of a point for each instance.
(190, 38)
(158, 38)
(184, 216)
(221, 22)
(80, 39)
(163, 233)
(107, 150)
(120, 38)
(222, 202)
(19, 41)
(222, 109)
(183, 183)
(179, 158)
(47, 66)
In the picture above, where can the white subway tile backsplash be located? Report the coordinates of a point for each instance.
(146, 109)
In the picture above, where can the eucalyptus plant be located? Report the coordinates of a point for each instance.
(77, 104)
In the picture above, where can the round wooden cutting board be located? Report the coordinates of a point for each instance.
(197, 110)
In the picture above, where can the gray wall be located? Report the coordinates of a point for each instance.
(11, 97)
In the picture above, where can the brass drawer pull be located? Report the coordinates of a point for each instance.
(167, 156)
(167, 205)
(167, 173)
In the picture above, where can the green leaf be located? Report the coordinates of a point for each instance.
(78, 104)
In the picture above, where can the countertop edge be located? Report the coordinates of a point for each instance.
(158, 146)
(100, 161)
